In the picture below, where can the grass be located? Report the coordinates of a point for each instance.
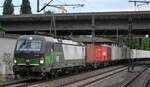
(2, 79)
(6, 78)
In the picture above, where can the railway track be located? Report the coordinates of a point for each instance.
(78, 81)
(13, 82)
(26, 84)
(133, 81)
(147, 83)
(70, 80)
(29, 82)
(86, 81)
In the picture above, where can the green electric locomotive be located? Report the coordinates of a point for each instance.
(39, 56)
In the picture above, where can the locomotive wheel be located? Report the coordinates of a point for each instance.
(46, 76)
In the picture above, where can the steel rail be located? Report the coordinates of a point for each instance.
(122, 69)
(126, 84)
(13, 82)
(147, 83)
(54, 81)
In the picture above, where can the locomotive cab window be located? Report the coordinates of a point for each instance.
(29, 45)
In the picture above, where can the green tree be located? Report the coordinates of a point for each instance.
(25, 7)
(2, 28)
(8, 7)
(146, 43)
(48, 12)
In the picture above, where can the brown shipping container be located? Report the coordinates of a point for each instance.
(90, 53)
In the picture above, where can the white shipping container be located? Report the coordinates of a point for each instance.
(117, 53)
(72, 51)
(114, 53)
(133, 53)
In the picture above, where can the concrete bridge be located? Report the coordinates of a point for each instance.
(79, 23)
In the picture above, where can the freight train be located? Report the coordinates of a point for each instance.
(41, 56)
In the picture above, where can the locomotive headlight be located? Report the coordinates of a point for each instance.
(41, 61)
(15, 61)
(27, 60)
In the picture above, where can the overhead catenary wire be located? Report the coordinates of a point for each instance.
(38, 4)
(138, 3)
(56, 6)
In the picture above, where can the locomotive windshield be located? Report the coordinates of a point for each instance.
(29, 45)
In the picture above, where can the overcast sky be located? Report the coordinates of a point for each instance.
(90, 5)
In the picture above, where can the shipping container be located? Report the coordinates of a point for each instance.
(73, 52)
(97, 53)
(90, 53)
(114, 52)
(133, 53)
